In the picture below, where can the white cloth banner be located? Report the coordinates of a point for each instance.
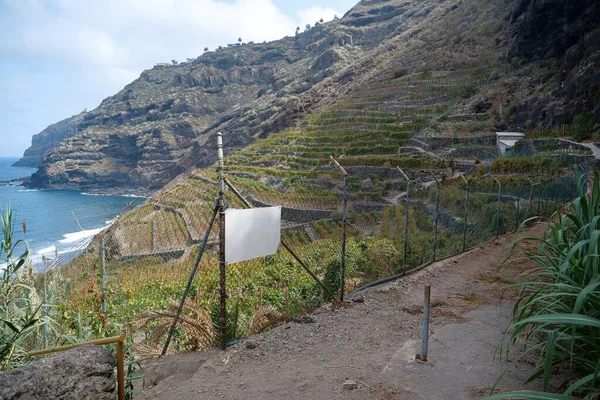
(251, 233)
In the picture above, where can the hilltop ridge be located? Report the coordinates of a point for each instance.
(158, 126)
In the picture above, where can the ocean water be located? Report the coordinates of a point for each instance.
(63, 220)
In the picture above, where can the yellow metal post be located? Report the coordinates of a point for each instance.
(120, 370)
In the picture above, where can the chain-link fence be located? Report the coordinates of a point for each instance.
(389, 221)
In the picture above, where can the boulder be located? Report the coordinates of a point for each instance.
(84, 372)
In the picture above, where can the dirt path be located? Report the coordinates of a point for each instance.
(373, 343)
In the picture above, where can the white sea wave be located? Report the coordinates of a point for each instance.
(47, 250)
(109, 194)
(28, 190)
(75, 237)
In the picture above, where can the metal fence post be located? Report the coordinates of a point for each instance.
(222, 272)
(518, 206)
(530, 203)
(103, 274)
(406, 225)
(343, 256)
(426, 324)
(499, 210)
(547, 192)
(539, 199)
(45, 308)
(405, 220)
(464, 243)
(437, 214)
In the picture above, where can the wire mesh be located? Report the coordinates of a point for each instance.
(133, 273)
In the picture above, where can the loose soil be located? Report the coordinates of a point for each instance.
(373, 343)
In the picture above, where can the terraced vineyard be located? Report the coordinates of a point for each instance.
(413, 122)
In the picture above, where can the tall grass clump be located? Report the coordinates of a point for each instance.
(557, 313)
(20, 306)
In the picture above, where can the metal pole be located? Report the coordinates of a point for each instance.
(437, 215)
(405, 249)
(498, 216)
(406, 226)
(529, 204)
(464, 243)
(191, 279)
(103, 275)
(222, 272)
(283, 243)
(343, 256)
(426, 324)
(45, 313)
(518, 206)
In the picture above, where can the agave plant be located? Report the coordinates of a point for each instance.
(557, 313)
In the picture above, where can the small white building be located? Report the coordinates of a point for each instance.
(506, 140)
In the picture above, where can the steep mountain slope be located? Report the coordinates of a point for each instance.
(147, 129)
(159, 125)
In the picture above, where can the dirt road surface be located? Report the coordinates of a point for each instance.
(372, 343)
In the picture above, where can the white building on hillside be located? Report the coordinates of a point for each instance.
(506, 140)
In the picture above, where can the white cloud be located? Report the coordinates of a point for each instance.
(100, 47)
(134, 34)
(122, 76)
(77, 52)
(311, 15)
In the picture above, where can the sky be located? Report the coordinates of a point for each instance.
(59, 57)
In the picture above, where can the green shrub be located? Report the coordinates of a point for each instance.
(583, 125)
(332, 279)
(463, 91)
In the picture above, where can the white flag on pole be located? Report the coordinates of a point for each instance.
(251, 233)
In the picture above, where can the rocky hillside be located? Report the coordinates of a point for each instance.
(561, 40)
(45, 141)
(158, 126)
(149, 127)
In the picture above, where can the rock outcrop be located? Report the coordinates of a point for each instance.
(562, 36)
(45, 141)
(81, 373)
